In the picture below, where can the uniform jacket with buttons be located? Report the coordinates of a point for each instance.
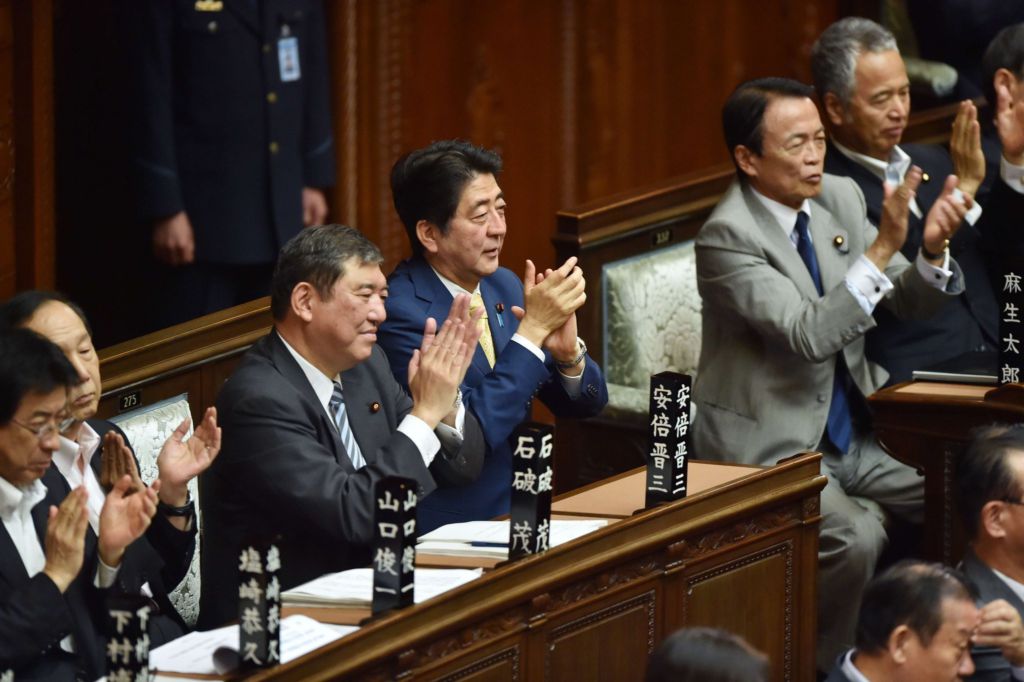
(500, 397)
(283, 471)
(216, 131)
(769, 342)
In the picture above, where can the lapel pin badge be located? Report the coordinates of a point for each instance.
(925, 177)
(500, 309)
(374, 407)
(839, 241)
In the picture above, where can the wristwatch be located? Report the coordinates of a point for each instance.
(188, 509)
(579, 356)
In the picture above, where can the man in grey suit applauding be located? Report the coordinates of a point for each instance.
(790, 270)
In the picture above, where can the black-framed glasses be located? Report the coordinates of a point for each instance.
(50, 428)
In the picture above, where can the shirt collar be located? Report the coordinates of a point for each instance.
(1017, 587)
(322, 385)
(784, 215)
(88, 443)
(453, 288)
(850, 670)
(898, 159)
(15, 498)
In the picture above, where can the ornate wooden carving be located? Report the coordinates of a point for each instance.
(511, 654)
(758, 525)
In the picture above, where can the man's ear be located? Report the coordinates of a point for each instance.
(429, 235)
(304, 297)
(835, 112)
(991, 519)
(1005, 77)
(745, 159)
(899, 641)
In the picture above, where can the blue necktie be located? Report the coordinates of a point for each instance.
(348, 439)
(839, 425)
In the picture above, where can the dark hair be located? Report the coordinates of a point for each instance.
(426, 184)
(317, 255)
(909, 593)
(29, 363)
(982, 473)
(1006, 51)
(705, 655)
(743, 113)
(19, 309)
(835, 53)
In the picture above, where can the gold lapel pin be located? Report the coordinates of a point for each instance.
(374, 407)
(925, 177)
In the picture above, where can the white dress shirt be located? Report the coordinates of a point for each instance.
(74, 461)
(422, 436)
(850, 670)
(572, 385)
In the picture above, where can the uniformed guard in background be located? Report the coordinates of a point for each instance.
(232, 141)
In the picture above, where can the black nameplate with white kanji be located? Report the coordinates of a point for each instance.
(394, 543)
(1011, 306)
(530, 522)
(259, 605)
(128, 638)
(669, 451)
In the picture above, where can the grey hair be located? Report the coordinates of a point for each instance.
(835, 52)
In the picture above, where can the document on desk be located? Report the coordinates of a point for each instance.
(490, 538)
(194, 653)
(355, 587)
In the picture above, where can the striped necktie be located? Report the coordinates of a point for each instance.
(486, 342)
(348, 439)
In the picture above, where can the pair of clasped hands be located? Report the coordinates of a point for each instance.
(948, 212)
(129, 507)
(439, 365)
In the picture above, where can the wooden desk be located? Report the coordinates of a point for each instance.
(927, 425)
(740, 553)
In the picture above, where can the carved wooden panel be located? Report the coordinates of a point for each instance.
(603, 643)
(505, 664)
(752, 595)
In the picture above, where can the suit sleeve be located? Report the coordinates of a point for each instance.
(317, 137)
(279, 462)
(501, 399)
(149, 27)
(33, 618)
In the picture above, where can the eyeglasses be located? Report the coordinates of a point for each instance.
(51, 428)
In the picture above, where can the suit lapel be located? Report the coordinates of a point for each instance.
(290, 370)
(778, 245)
(12, 571)
(825, 233)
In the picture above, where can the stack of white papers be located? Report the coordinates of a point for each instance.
(490, 538)
(354, 588)
(194, 653)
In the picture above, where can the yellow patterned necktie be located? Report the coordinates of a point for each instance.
(486, 342)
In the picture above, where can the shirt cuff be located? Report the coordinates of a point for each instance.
(972, 215)
(451, 437)
(529, 345)
(1012, 175)
(1017, 673)
(934, 275)
(422, 436)
(105, 575)
(572, 385)
(867, 283)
